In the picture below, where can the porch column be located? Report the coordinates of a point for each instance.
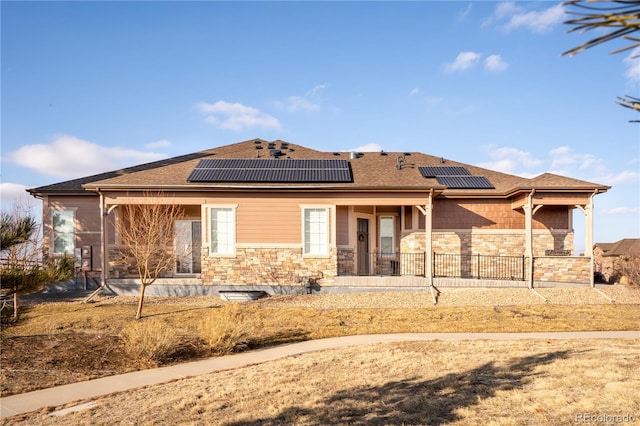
(588, 234)
(528, 235)
(428, 238)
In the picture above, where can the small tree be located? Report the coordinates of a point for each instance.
(21, 269)
(146, 233)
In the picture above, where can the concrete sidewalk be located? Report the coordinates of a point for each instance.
(60, 395)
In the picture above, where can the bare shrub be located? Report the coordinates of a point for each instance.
(150, 341)
(227, 330)
(629, 267)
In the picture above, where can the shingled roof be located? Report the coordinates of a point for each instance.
(625, 247)
(370, 170)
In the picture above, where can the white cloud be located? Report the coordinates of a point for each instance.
(513, 16)
(622, 210)
(235, 116)
(465, 13)
(510, 160)
(494, 63)
(463, 61)
(414, 91)
(69, 157)
(370, 147)
(162, 143)
(632, 62)
(623, 177)
(563, 158)
(12, 193)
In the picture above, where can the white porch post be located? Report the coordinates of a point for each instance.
(428, 247)
(528, 245)
(588, 234)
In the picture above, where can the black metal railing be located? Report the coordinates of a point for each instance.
(394, 264)
(479, 266)
(444, 265)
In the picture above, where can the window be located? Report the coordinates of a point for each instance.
(316, 231)
(63, 232)
(387, 232)
(223, 233)
(187, 245)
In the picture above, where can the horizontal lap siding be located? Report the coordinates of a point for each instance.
(269, 221)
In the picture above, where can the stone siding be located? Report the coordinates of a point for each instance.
(567, 269)
(268, 266)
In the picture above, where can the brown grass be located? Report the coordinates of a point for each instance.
(149, 341)
(469, 382)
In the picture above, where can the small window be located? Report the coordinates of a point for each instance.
(316, 231)
(223, 230)
(63, 232)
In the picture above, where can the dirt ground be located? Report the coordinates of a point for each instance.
(57, 357)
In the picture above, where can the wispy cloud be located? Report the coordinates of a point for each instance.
(70, 157)
(236, 116)
(414, 91)
(495, 63)
(509, 16)
(463, 62)
(467, 60)
(622, 210)
(623, 177)
(163, 143)
(564, 159)
(510, 160)
(309, 102)
(465, 12)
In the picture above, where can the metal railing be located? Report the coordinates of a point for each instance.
(479, 266)
(394, 264)
(444, 265)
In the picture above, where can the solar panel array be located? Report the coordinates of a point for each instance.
(465, 182)
(455, 177)
(435, 171)
(265, 170)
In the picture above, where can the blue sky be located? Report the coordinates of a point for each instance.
(95, 86)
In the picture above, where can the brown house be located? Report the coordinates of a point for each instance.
(609, 258)
(271, 215)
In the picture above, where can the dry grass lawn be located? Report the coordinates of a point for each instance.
(533, 382)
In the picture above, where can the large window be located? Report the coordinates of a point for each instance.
(63, 232)
(387, 234)
(187, 245)
(316, 231)
(223, 230)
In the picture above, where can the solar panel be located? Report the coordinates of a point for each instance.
(286, 170)
(435, 171)
(465, 182)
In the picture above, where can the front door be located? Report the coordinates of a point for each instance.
(363, 247)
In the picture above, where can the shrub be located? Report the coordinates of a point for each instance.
(227, 330)
(149, 341)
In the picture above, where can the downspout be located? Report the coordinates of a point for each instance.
(589, 223)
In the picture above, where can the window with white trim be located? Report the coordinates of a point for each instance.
(63, 232)
(387, 234)
(316, 231)
(223, 230)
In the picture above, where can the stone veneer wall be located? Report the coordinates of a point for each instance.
(122, 266)
(568, 269)
(485, 243)
(346, 261)
(267, 266)
(547, 268)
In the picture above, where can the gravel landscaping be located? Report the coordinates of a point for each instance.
(571, 295)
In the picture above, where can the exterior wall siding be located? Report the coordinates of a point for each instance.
(562, 269)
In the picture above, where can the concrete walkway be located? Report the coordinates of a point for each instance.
(61, 395)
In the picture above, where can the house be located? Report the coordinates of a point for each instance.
(609, 258)
(271, 215)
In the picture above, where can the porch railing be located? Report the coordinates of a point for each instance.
(444, 265)
(479, 266)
